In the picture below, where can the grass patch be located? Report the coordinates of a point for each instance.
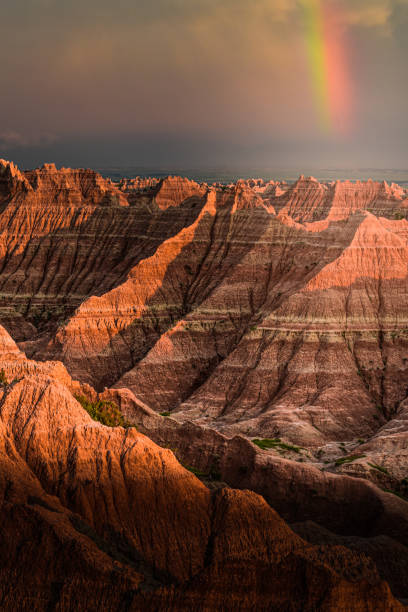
(268, 443)
(380, 468)
(213, 474)
(103, 411)
(3, 378)
(348, 459)
(194, 471)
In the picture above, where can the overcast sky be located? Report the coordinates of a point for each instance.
(202, 83)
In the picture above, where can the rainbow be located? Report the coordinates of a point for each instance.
(327, 52)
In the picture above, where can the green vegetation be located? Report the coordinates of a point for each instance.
(105, 412)
(213, 474)
(275, 443)
(348, 459)
(165, 414)
(3, 378)
(380, 468)
(194, 471)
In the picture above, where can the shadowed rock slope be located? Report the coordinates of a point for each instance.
(102, 518)
(266, 309)
(251, 310)
(119, 504)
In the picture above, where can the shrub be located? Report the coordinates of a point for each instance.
(213, 473)
(3, 378)
(103, 411)
(380, 468)
(276, 443)
(194, 471)
(348, 459)
(165, 414)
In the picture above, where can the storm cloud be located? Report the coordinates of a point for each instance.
(209, 81)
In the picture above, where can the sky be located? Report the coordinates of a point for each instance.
(205, 83)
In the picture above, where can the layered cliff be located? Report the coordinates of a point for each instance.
(93, 517)
(171, 287)
(254, 310)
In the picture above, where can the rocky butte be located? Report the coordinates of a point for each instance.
(203, 394)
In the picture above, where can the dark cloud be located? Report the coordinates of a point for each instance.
(212, 79)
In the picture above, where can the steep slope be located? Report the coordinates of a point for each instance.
(191, 285)
(210, 283)
(159, 291)
(256, 310)
(309, 201)
(317, 366)
(68, 234)
(112, 518)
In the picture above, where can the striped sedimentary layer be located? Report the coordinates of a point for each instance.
(266, 309)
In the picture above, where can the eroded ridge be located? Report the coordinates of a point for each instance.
(95, 516)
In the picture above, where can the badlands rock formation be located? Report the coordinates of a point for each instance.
(101, 518)
(253, 310)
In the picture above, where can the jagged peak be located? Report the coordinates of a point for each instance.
(306, 183)
(11, 178)
(174, 179)
(245, 196)
(9, 350)
(366, 256)
(8, 165)
(373, 232)
(48, 167)
(173, 190)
